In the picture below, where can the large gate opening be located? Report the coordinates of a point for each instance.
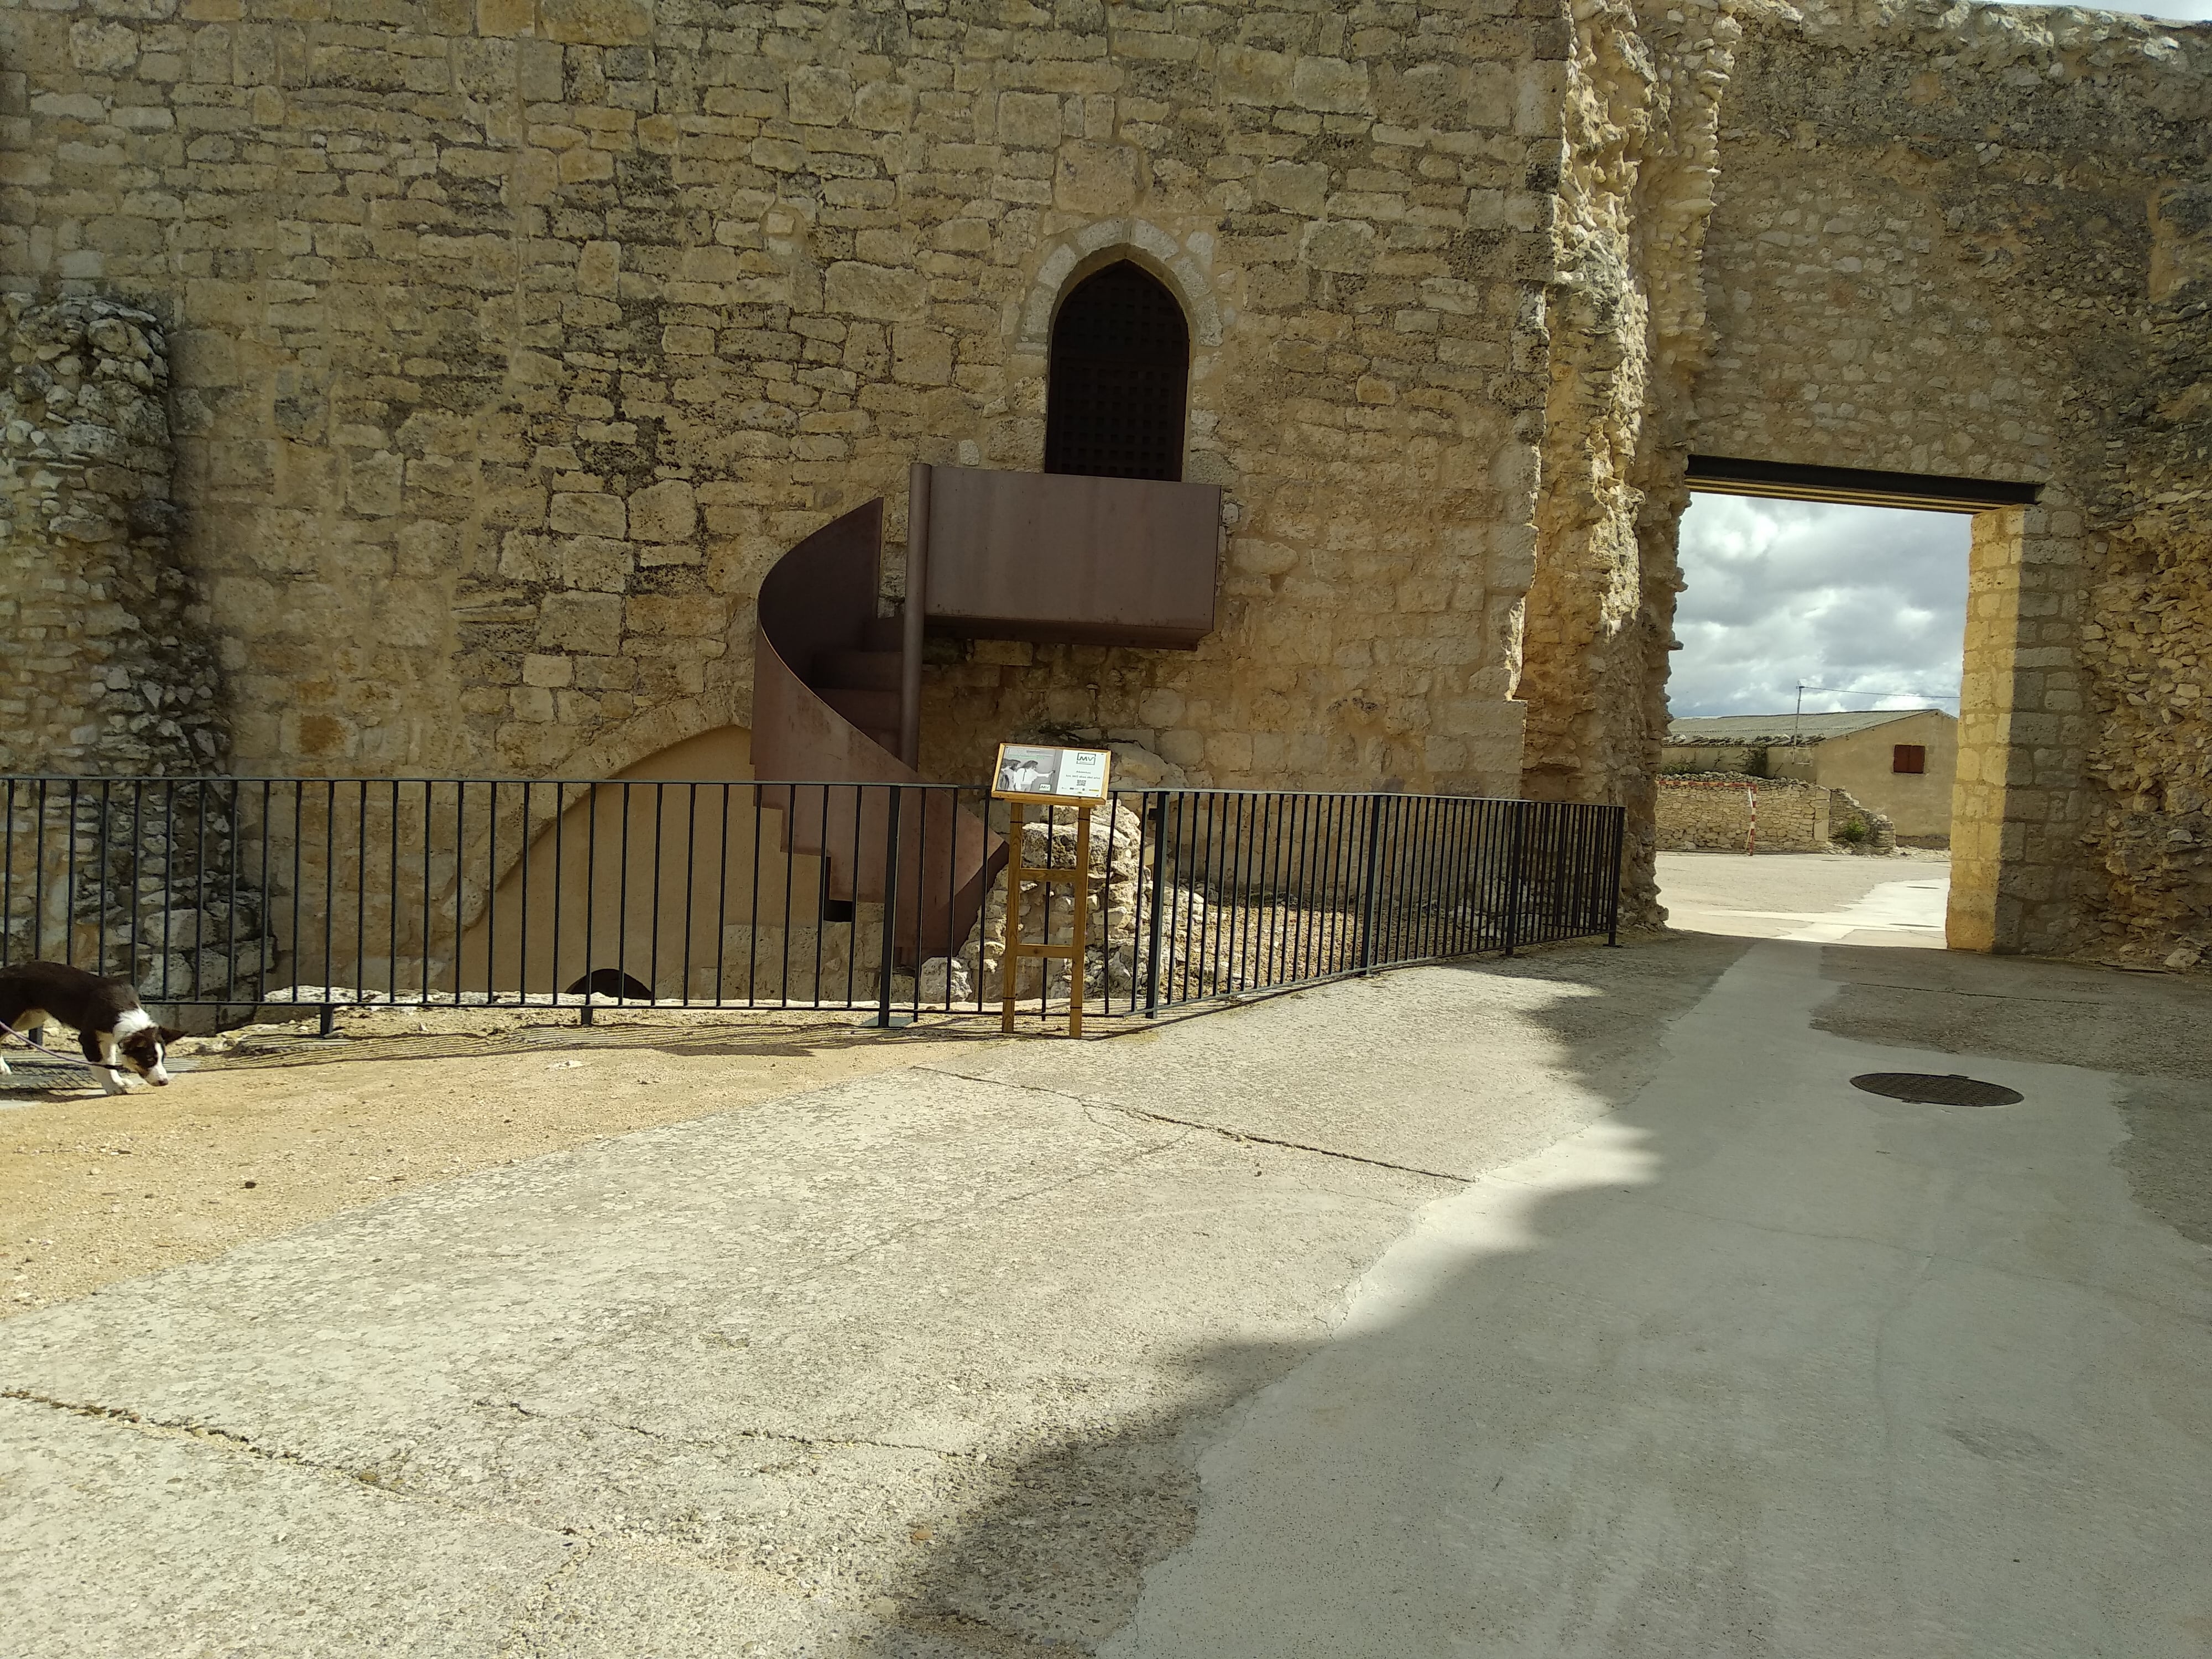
(1816, 697)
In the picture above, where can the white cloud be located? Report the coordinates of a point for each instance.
(1867, 599)
(2186, 11)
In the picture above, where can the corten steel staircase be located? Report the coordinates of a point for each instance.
(834, 701)
(1053, 557)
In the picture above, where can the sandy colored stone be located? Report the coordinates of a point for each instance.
(1462, 301)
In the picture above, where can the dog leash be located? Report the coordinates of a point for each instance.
(67, 1060)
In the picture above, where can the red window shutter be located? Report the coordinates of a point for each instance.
(1909, 758)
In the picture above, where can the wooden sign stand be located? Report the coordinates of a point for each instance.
(1049, 777)
(1072, 951)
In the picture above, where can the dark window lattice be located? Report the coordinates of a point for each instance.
(1120, 378)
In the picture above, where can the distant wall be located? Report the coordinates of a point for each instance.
(1761, 760)
(1707, 816)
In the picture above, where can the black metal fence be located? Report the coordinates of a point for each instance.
(328, 893)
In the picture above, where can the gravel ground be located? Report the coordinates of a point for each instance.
(271, 1128)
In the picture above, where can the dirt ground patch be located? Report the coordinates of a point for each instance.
(268, 1130)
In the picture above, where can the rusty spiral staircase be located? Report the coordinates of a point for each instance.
(835, 694)
(1078, 558)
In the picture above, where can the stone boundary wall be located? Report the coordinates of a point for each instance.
(1712, 815)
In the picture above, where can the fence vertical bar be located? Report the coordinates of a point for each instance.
(1367, 895)
(890, 915)
(423, 951)
(460, 885)
(560, 881)
(723, 895)
(491, 892)
(138, 859)
(7, 879)
(361, 889)
(621, 908)
(522, 920)
(392, 904)
(752, 933)
(1513, 877)
(1618, 817)
(590, 895)
(1158, 813)
(102, 876)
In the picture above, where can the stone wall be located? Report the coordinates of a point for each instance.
(105, 666)
(1966, 242)
(516, 342)
(1761, 760)
(1628, 332)
(511, 344)
(1710, 815)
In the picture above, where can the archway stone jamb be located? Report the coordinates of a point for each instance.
(1180, 266)
(2018, 804)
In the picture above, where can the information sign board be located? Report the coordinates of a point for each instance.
(1052, 776)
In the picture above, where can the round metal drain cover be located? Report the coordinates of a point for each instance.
(1924, 1089)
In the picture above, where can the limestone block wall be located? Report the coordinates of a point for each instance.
(513, 343)
(1708, 815)
(1761, 760)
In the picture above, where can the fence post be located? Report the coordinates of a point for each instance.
(1367, 893)
(890, 916)
(1618, 839)
(1159, 896)
(1521, 810)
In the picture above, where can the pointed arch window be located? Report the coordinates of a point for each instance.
(1118, 379)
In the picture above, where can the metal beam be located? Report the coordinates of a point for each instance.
(1729, 475)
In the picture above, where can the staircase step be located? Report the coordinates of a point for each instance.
(872, 711)
(883, 633)
(856, 671)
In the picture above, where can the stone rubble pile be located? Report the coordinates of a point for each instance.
(1115, 883)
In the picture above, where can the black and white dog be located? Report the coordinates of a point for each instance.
(115, 1033)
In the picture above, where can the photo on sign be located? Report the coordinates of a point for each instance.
(1038, 770)
(1027, 771)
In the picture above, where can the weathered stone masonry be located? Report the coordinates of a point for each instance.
(106, 662)
(521, 340)
(511, 343)
(1964, 242)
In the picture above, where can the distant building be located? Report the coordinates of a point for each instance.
(1901, 762)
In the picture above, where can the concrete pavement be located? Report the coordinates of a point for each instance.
(1571, 1306)
(1823, 897)
(1758, 1364)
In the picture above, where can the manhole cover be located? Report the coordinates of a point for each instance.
(1924, 1089)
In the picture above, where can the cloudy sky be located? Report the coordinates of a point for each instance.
(1866, 602)
(2193, 10)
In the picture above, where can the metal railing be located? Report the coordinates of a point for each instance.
(327, 893)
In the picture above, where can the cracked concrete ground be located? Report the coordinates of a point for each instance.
(1568, 1305)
